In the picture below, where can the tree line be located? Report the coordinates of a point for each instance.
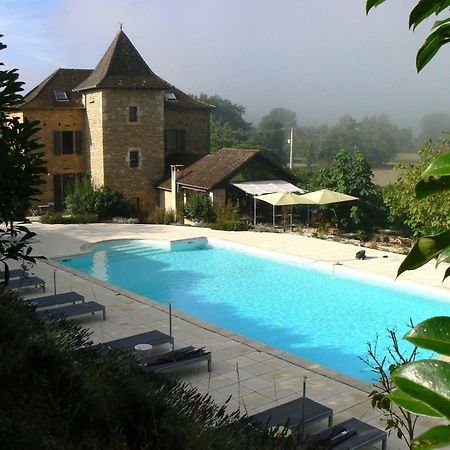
(376, 137)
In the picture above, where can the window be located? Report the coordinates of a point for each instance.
(132, 113)
(175, 141)
(169, 96)
(133, 158)
(68, 142)
(61, 96)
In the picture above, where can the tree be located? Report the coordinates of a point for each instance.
(270, 135)
(352, 175)
(438, 38)
(21, 168)
(226, 136)
(226, 112)
(433, 126)
(430, 215)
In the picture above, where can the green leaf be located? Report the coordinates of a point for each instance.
(424, 250)
(411, 404)
(440, 166)
(444, 256)
(373, 4)
(428, 381)
(432, 185)
(432, 45)
(446, 274)
(435, 437)
(433, 334)
(424, 9)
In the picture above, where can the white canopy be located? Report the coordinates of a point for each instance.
(267, 187)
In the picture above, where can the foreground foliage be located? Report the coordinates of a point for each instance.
(437, 38)
(59, 391)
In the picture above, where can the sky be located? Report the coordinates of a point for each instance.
(319, 58)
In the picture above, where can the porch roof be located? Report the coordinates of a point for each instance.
(267, 187)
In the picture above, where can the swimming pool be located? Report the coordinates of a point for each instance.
(312, 313)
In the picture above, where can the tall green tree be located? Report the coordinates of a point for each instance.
(433, 126)
(223, 135)
(351, 174)
(21, 169)
(21, 165)
(226, 112)
(271, 136)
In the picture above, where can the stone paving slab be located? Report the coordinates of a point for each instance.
(256, 376)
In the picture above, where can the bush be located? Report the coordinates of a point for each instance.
(198, 208)
(105, 201)
(230, 225)
(163, 216)
(77, 218)
(226, 211)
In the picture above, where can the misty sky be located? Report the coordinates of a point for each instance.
(320, 58)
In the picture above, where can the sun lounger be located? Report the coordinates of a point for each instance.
(28, 282)
(351, 435)
(14, 273)
(176, 358)
(73, 310)
(55, 300)
(154, 337)
(291, 414)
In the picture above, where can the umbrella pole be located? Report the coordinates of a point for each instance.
(254, 210)
(273, 215)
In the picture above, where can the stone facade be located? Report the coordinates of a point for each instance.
(110, 149)
(61, 168)
(196, 124)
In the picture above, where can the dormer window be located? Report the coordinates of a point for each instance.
(61, 96)
(169, 96)
(132, 114)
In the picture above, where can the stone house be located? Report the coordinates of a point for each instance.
(120, 124)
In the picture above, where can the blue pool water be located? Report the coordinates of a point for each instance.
(310, 313)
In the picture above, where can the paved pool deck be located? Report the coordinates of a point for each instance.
(256, 376)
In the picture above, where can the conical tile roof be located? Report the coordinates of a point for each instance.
(122, 67)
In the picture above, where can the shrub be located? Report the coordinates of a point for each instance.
(105, 201)
(77, 218)
(230, 225)
(198, 208)
(226, 211)
(163, 216)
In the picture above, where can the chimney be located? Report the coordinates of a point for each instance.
(174, 174)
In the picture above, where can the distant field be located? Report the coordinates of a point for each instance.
(384, 177)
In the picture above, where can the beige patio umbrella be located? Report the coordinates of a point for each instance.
(283, 199)
(325, 197)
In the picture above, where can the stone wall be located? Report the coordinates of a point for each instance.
(57, 120)
(196, 124)
(94, 137)
(145, 136)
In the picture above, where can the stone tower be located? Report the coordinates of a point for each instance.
(124, 102)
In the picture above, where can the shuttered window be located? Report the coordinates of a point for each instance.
(175, 140)
(68, 142)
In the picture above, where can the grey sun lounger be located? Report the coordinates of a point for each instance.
(48, 301)
(73, 310)
(291, 414)
(361, 435)
(14, 273)
(28, 282)
(154, 337)
(176, 358)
